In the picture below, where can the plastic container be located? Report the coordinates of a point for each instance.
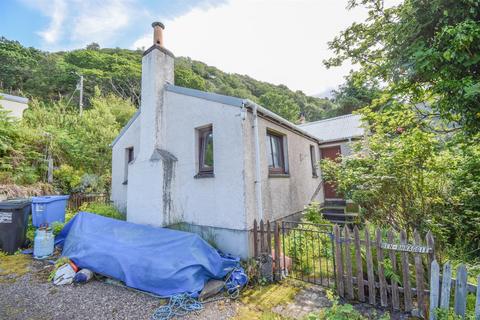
(83, 276)
(44, 243)
(48, 209)
(13, 224)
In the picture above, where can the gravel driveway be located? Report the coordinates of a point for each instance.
(33, 297)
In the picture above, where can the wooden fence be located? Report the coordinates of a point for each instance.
(77, 199)
(384, 269)
(263, 233)
(388, 278)
(440, 289)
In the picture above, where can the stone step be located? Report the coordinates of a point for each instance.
(332, 210)
(335, 203)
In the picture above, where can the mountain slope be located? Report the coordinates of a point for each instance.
(50, 76)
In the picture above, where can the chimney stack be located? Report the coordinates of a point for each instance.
(158, 28)
(157, 70)
(302, 119)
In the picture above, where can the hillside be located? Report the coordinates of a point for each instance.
(49, 76)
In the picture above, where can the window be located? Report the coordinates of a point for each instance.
(129, 156)
(205, 144)
(275, 153)
(313, 159)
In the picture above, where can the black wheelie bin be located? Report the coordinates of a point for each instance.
(13, 224)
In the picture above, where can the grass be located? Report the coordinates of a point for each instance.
(257, 302)
(13, 266)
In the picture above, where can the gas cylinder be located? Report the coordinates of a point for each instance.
(43, 243)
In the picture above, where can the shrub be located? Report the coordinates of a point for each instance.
(103, 209)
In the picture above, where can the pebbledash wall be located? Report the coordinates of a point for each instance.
(161, 188)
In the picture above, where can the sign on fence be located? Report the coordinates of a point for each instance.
(379, 254)
(406, 248)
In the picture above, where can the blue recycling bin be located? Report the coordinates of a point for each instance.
(48, 209)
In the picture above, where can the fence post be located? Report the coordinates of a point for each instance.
(276, 240)
(370, 274)
(394, 284)
(255, 238)
(348, 263)
(431, 244)
(446, 285)
(407, 293)
(269, 238)
(419, 276)
(262, 238)
(477, 302)
(434, 288)
(381, 270)
(339, 261)
(461, 291)
(358, 258)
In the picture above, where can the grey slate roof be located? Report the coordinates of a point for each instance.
(338, 128)
(13, 98)
(125, 128)
(220, 98)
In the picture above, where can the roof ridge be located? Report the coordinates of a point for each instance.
(330, 119)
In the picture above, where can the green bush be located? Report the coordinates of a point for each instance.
(103, 209)
(443, 314)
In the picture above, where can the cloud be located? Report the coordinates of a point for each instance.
(75, 23)
(283, 42)
(56, 10)
(100, 21)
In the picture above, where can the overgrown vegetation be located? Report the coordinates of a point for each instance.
(78, 145)
(341, 312)
(49, 76)
(420, 165)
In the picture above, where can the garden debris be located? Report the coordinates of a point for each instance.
(212, 287)
(83, 276)
(64, 275)
(265, 262)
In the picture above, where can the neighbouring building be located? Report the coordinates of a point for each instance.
(16, 105)
(336, 135)
(211, 162)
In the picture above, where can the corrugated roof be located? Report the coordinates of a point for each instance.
(338, 128)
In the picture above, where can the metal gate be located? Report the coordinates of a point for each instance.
(308, 252)
(300, 250)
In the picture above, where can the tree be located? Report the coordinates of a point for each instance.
(281, 105)
(93, 46)
(354, 95)
(423, 51)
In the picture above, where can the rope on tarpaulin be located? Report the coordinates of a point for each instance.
(179, 305)
(182, 304)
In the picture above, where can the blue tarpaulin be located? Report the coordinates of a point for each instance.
(158, 260)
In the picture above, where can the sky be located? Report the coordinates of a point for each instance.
(278, 41)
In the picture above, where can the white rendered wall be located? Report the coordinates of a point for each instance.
(146, 187)
(282, 196)
(214, 201)
(130, 138)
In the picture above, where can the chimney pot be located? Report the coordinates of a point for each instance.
(158, 28)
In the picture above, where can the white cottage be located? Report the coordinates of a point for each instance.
(212, 162)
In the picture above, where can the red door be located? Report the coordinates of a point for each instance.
(331, 153)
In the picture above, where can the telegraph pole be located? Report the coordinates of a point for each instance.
(80, 87)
